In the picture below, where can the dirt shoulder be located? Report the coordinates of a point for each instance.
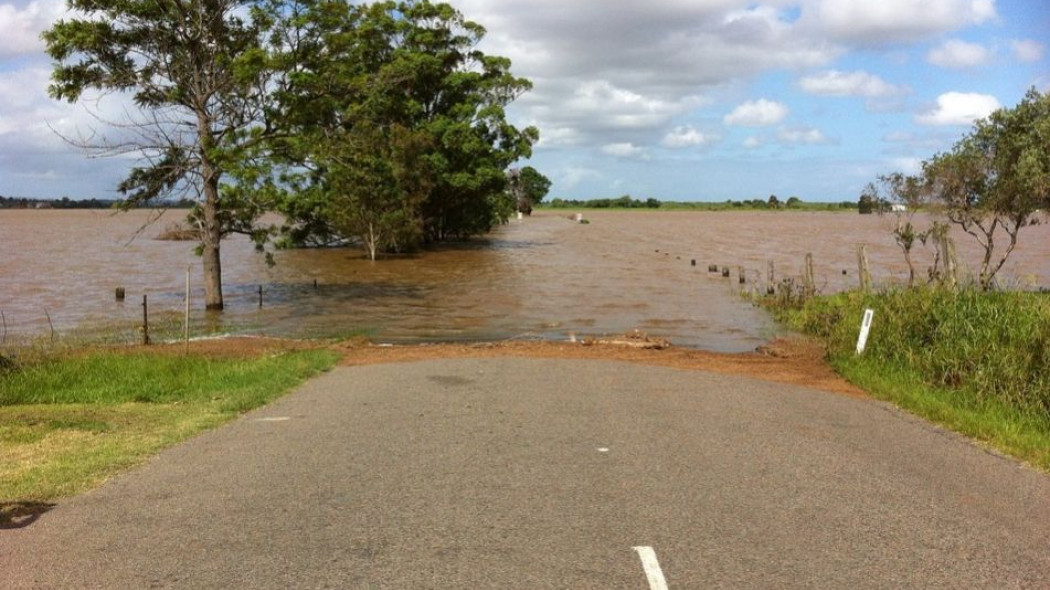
(795, 361)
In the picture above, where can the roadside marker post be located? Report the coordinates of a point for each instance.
(865, 328)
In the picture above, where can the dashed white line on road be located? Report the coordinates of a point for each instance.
(652, 568)
(274, 419)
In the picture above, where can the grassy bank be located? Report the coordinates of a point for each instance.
(974, 362)
(68, 421)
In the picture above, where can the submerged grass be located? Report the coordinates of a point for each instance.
(71, 420)
(972, 361)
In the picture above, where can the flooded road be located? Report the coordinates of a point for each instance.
(542, 277)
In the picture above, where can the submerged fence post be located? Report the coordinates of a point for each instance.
(771, 285)
(808, 283)
(145, 321)
(951, 265)
(3, 335)
(186, 314)
(862, 263)
(50, 324)
(260, 296)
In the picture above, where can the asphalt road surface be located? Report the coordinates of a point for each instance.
(527, 473)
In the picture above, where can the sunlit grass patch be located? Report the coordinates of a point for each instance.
(68, 422)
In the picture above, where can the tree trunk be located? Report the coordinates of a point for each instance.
(210, 239)
(211, 233)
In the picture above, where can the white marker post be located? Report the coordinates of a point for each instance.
(865, 327)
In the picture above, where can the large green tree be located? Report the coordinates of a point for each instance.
(194, 70)
(996, 179)
(395, 120)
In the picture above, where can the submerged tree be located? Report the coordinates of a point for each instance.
(194, 70)
(907, 193)
(996, 179)
(394, 119)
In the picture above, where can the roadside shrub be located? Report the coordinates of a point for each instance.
(986, 345)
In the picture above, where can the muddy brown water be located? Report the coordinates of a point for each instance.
(541, 277)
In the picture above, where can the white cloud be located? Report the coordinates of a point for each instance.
(959, 108)
(757, 113)
(1027, 50)
(879, 22)
(907, 165)
(623, 150)
(25, 108)
(859, 83)
(807, 135)
(754, 142)
(957, 54)
(604, 74)
(571, 177)
(22, 26)
(686, 136)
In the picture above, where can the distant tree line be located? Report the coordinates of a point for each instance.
(624, 202)
(67, 203)
(627, 202)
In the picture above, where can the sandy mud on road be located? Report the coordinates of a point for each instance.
(794, 361)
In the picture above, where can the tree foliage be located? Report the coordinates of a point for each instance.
(996, 179)
(395, 125)
(194, 70)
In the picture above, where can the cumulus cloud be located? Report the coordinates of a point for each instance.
(604, 74)
(957, 54)
(571, 177)
(757, 113)
(1027, 50)
(754, 142)
(686, 136)
(805, 135)
(869, 22)
(623, 150)
(959, 108)
(859, 83)
(22, 26)
(25, 107)
(907, 165)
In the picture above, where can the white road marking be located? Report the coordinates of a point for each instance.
(652, 568)
(276, 419)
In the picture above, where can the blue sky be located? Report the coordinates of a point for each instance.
(673, 99)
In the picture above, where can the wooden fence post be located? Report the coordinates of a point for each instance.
(145, 321)
(865, 272)
(808, 283)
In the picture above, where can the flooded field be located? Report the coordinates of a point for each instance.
(542, 277)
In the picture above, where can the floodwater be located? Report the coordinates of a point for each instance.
(541, 277)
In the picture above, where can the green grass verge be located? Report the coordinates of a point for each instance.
(69, 422)
(973, 362)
